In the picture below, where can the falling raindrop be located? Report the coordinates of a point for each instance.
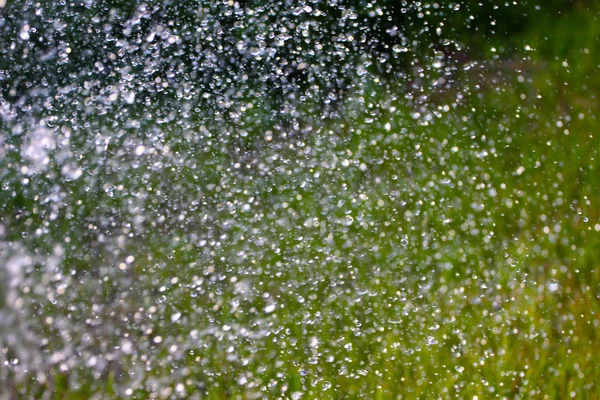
(553, 286)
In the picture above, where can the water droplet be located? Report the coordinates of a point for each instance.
(553, 286)
(347, 220)
(270, 308)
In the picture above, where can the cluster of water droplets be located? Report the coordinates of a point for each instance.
(278, 199)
